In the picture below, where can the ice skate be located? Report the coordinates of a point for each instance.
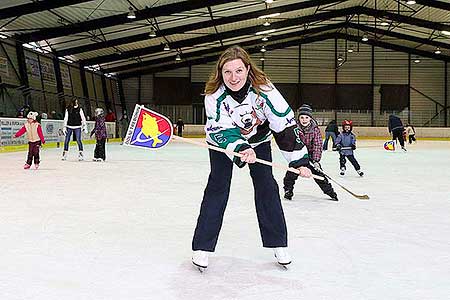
(200, 259)
(404, 149)
(282, 256)
(64, 156)
(288, 195)
(342, 173)
(360, 173)
(80, 156)
(96, 159)
(26, 166)
(333, 196)
(36, 166)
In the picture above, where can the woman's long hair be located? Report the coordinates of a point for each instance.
(257, 77)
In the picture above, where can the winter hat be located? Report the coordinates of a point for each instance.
(32, 115)
(98, 111)
(305, 109)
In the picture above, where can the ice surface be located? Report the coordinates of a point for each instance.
(122, 229)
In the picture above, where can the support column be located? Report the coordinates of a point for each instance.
(87, 102)
(446, 95)
(59, 84)
(372, 75)
(409, 88)
(23, 76)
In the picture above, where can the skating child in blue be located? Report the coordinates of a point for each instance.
(345, 144)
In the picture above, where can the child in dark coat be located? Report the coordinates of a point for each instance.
(345, 144)
(35, 137)
(310, 135)
(100, 135)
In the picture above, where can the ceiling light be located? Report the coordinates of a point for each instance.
(437, 51)
(265, 31)
(178, 57)
(269, 16)
(2, 36)
(262, 59)
(364, 38)
(340, 58)
(417, 60)
(350, 50)
(152, 33)
(384, 23)
(166, 47)
(410, 2)
(265, 39)
(131, 14)
(263, 49)
(268, 1)
(445, 32)
(266, 23)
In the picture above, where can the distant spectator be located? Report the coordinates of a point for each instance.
(124, 121)
(180, 127)
(410, 133)
(110, 116)
(331, 131)
(23, 111)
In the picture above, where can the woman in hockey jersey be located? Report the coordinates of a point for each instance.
(243, 111)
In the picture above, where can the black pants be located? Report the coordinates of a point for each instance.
(33, 152)
(100, 151)
(398, 134)
(270, 214)
(412, 138)
(351, 158)
(324, 185)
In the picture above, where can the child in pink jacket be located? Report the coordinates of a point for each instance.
(35, 137)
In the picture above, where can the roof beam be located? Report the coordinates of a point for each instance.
(30, 8)
(435, 4)
(195, 26)
(394, 47)
(152, 12)
(398, 35)
(214, 54)
(224, 35)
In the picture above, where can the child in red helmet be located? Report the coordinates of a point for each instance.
(345, 144)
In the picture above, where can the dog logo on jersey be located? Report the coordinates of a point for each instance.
(248, 121)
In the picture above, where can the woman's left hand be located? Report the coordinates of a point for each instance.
(249, 156)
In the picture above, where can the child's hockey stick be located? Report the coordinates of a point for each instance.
(362, 197)
(261, 161)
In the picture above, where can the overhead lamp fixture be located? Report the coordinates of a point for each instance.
(364, 38)
(268, 1)
(445, 32)
(410, 2)
(266, 23)
(269, 16)
(350, 50)
(2, 36)
(131, 14)
(265, 39)
(263, 49)
(265, 31)
(416, 60)
(178, 57)
(384, 23)
(166, 47)
(262, 59)
(152, 33)
(437, 51)
(340, 58)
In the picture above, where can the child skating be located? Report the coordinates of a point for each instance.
(345, 144)
(100, 135)
(35, 137)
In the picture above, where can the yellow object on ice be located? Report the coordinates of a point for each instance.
(150, 129)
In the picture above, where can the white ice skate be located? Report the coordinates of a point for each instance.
(282, 256)
(64, 156)
(80, 156)
(200, 259)
(342, 173)
(360, 173)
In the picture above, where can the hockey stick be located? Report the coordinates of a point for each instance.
(261, 161)
(362, 197)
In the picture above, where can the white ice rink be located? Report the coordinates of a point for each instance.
(122, 229)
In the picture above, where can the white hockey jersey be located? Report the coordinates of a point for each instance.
(236, 126)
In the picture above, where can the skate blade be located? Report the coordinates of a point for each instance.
(201, 269)
(284, 266)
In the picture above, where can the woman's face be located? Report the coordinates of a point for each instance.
(234, 74)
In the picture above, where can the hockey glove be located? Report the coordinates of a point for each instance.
(317, 166)
(353, 147)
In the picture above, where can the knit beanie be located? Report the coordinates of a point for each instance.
(32, 115)
(305, 109)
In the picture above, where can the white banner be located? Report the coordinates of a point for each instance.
(52, 130)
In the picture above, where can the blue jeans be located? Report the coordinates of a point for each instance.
(328, 134)
(77, 136)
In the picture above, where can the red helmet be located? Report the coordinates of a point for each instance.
(347, 122)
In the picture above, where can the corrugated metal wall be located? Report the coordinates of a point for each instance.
(427, 79)
(147, 88)
(317, 65)
(131, 92)
(182, 72)
(76, 81)
(282, 65)
(200, 73)
(357, 68)
(8, 51)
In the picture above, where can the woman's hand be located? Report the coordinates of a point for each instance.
(305, 172)
(249, 156)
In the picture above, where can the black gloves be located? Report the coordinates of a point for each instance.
(353, 147)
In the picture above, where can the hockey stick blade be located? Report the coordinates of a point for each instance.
(362, 197)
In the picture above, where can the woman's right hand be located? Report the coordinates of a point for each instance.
(305, 172)
(248, 156)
